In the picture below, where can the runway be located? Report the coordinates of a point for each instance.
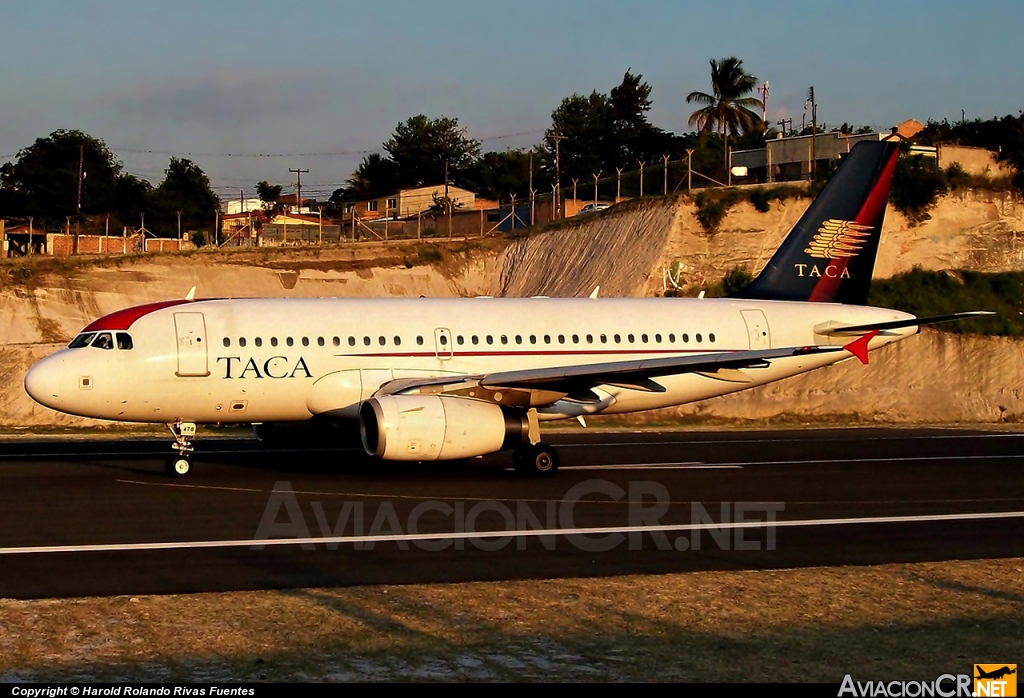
(98, 517)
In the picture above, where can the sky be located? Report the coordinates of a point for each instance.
(316, 85)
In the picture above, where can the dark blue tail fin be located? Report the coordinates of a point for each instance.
(829, 255)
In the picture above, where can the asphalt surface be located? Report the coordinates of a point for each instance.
(99, 517)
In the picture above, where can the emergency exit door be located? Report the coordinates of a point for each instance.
(192, 353)
(757, 329)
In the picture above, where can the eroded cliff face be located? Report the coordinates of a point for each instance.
(640, 248)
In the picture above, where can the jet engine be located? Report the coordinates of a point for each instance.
(437, 427)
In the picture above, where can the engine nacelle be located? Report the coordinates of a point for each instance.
(435, 427)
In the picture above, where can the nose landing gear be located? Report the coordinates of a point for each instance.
(184, 433)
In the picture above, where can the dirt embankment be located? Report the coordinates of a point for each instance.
(641, 248)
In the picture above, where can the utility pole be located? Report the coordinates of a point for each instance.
(179, 226)
(689, 170)
(298, 185)
(556, 137)
(530, 184)
(78, 205)
(665, 158)
(30, 236)
(782, 123)
(814, 130)
(764, 91)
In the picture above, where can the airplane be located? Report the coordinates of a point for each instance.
(996, 674)
(447, 379)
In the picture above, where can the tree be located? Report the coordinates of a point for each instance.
(586, 128)
(43, 182)
(420, 149)
(269, 195)
(726, 110)
(375, 173)
(185, 188)
(498, 175)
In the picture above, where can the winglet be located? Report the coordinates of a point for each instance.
(593, 294)
(191, 295)
(859, 346)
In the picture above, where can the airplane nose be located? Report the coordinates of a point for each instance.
(42, 382)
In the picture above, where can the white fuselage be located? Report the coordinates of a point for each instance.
(273, 360)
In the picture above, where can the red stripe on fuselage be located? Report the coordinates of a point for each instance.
(123, 319)
(870, 214)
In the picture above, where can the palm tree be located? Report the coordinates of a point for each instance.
(727, 110)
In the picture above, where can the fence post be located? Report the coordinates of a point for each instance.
(665, 158)
(641, 178)
(596, 177)
(513, 197)
(618, 184)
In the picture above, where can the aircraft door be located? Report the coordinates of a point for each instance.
(443, 344)
(191, 333)
(757, 329)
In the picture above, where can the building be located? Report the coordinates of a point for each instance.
(406, 203)
(298, 229)
(790, 159)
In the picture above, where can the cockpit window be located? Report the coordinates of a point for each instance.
(124, 341)
(103, 341)
(81, 340)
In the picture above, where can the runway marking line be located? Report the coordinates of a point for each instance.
(531, 533)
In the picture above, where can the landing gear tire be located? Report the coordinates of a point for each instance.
(178, 466)
(540, 460)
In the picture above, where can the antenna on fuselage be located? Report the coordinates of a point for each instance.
(191, 295)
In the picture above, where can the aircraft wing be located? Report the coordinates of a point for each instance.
(557, 381)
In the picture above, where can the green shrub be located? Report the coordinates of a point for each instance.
(926, 293)
(916, 188)
(735, 280)
(761, 199)
(430, 254)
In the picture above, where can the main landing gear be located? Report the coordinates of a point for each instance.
(535, 460)
(184, 433)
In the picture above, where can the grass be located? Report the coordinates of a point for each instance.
(925, 293)
(896, 621)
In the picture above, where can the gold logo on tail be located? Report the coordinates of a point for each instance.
(837, 239)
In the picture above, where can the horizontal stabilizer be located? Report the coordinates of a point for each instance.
(897, 324)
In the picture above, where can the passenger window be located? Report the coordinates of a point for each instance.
(631, 338)
(672, 339)
(320, 341)
(547, 339)
(686, 337)
(103, 341)
(227, 342)
(490, 339)
(561, 339)
(83, 340)
(337, 341)
(273, 341)
(351, 341)
(519, 339)
(575, 339)
(259, 341)
(241, 341)
(419, 340)
(460, 340)
(398, 340)
(289, 341)
(643, 338)
(533, 339)
(305, 341)
(124, 341)
(475, 339)
(590, 339)
(699, 338)
(444, 340)
(604, 339)
(366, 341)
(504, 339)
(618, 338)
(711, 337)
